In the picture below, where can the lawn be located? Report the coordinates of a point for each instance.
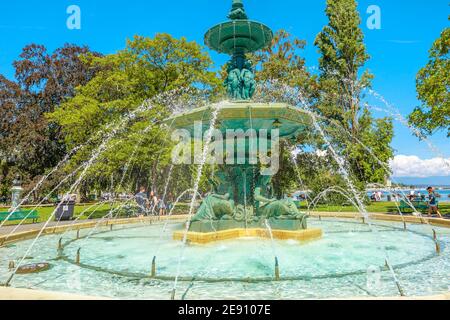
(85, 211)
(81, 211)
(93, 211)
(376, 207)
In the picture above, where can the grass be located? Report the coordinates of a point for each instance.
(81, 211)
(376, 207)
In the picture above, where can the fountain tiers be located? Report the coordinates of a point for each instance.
(243, 198)
(245, 115)
(290, 121)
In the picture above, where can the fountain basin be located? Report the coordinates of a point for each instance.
(243, 36)
(117, 264)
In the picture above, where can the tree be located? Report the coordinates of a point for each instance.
(341, 82)
(281, 70)
(282, 65)
(146, 69)
(433, 89)
(29, 145)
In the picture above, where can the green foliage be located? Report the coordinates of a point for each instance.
(286, 181)
(282, 66)
(29, 145)
(433, 88)
(140, 150)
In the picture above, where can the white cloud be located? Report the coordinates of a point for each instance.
(413, 166)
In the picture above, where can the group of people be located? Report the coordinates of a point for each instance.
(150, 203)
(377, 196)
(413, 196)
(431, 199)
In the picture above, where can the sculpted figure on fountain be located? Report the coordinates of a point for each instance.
(273, 208)
(220, 204)
(243, 196)
(240, 81)
(248, 81)
(233, 81)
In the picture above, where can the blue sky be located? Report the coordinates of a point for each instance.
(398, 50)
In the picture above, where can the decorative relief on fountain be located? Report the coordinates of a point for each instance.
(240, 81)
(242, 194)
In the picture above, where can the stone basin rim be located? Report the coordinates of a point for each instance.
(11, 293)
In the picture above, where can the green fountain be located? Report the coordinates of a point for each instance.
(242, 203)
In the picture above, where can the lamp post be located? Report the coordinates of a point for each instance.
(16, 192)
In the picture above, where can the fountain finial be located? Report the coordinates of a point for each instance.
(237, 11)
(237, 38)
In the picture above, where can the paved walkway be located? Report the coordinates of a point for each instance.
(5, 230)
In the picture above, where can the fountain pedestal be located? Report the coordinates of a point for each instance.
(230, 234)
(242, 191)
(220, 225)
(243, 199)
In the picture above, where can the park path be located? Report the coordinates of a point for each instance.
(5, 230)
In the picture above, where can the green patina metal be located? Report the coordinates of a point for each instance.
(237, 38)
(290, 121)
(242, 194)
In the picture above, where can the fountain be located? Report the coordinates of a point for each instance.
(140, 257)
(242, 198)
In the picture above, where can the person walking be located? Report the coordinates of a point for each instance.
(162, 207)
(142, 201)
(170, 200)
(432, 203)
(154, 203)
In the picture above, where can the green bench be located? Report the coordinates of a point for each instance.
(419, 205)
(20, 215)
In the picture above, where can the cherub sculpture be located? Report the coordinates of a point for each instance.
(233, 81)
(248, 81)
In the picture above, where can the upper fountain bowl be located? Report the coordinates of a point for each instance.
(290, 121)
(238, 36)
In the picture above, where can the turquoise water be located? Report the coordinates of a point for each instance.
(117, 264)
